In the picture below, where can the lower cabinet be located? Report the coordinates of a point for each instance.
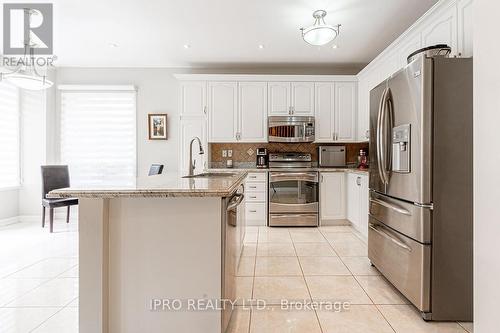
(357, 201)
(332, 196)
(256, 199)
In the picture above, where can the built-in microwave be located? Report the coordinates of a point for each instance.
(290, 129)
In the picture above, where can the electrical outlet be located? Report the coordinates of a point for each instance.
(224, 153)
(230, 153)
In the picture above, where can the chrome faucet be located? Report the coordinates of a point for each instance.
(191, 163)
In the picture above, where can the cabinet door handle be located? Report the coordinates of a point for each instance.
(253, 211)
(322, 178)
(358, 181)
(205, 110)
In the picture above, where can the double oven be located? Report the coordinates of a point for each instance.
(293, 190)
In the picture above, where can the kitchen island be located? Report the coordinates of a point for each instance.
(146, 250)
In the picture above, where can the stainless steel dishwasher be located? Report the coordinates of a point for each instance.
(233, 232)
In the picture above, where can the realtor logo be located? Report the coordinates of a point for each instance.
(27, 23)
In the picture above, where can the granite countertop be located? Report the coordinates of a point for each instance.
(320, 169)
(161, 186)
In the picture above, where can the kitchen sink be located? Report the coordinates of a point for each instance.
(211, 175)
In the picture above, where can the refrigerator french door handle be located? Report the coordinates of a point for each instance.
(379, 135)
(387, 131)
(385, 126)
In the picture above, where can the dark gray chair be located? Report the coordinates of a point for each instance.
(55, 177)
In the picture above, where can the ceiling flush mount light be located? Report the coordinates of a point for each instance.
(187, 46)
(261, 46)
(320, 33)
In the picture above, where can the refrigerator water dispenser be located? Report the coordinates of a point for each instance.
(401, 149)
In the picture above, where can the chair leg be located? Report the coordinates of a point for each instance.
(51, 218)
(43, 217)
(67, 215)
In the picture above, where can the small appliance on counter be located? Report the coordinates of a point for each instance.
(262, 158)
(331, 156)
(362, 160)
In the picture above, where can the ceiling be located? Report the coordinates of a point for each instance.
(152, 33)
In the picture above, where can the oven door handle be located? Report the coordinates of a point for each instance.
(276, 177)
(389, 237)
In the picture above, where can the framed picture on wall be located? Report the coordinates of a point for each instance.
(157, 126)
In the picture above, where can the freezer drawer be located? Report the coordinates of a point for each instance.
(403, 261)
(409, 219)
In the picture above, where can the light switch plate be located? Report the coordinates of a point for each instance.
(224, 153)
(230, 153)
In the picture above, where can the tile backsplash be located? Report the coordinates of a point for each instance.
(245, 152)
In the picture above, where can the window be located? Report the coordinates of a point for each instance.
(98, 135)
(9, 135)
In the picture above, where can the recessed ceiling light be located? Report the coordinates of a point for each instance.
(334, 46)
(113, 45)
(187, 46)
(261, 46)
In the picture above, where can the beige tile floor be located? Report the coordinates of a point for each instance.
(39, 283)
(320, 264)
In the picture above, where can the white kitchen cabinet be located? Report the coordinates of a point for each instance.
(190, 127)
(332, 196)
(325, 111)
(345, 111)
(302, 102)
(222, 111)
(357, 202)
(465, 22)
(279, 98)
(256, 199)
(336, 108)
(291, 98)
(443, 30)
(252, 112)
(193, 98)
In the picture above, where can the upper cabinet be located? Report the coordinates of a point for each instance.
(465, 22)
(235, 108)
(193, 98)
(302, 102)
(291, 98)
(279, 98)
(335, 106)
(222, 111)
(252, 112)
(325, 108)
(345, 111)
(442, 30)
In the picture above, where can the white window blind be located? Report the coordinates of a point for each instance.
(98, 136)
(9, 135)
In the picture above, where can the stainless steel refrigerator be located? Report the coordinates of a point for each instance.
(420, 221)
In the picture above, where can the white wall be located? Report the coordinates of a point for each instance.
(486, 160)
(33, 151)
(8, 203)
(157, 92)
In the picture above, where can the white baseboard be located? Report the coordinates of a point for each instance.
(334, 222)
(8, 221)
